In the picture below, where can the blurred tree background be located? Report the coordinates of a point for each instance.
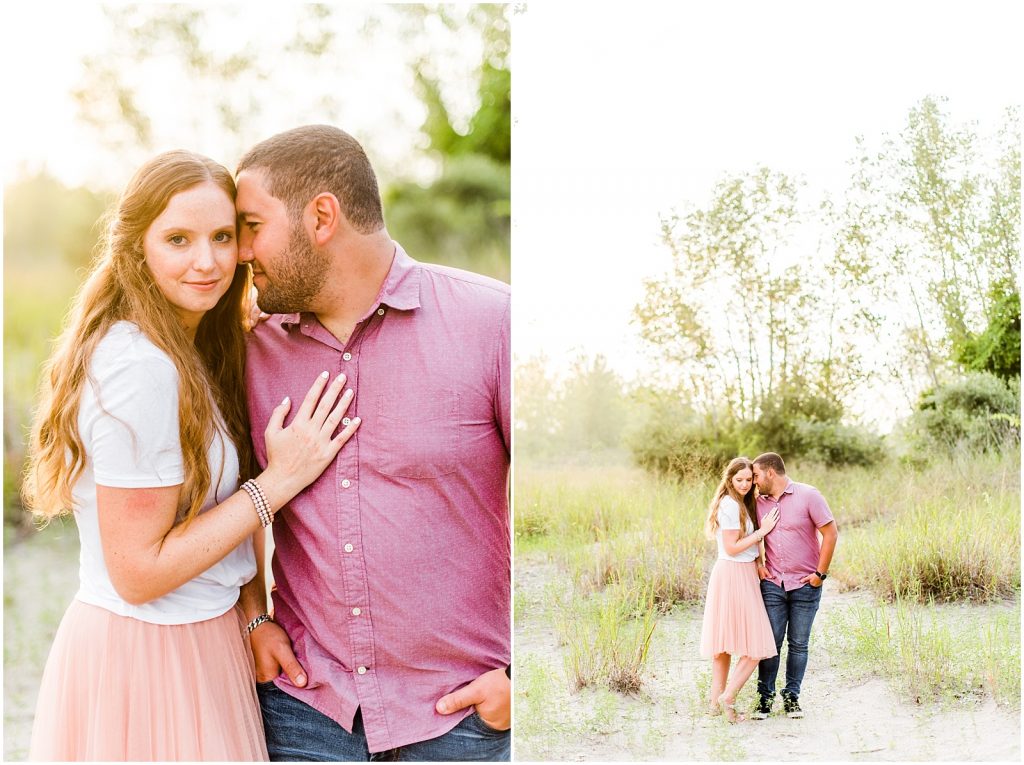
(779, 314)
(168, 77)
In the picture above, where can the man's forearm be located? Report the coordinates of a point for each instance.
(828, 546)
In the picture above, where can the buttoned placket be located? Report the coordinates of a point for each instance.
(357, 608)
(784, 564)
(777, 543)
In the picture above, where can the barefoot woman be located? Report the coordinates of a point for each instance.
(735, 620)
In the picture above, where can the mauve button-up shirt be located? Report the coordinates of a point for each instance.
(392, 569)
(792, 548)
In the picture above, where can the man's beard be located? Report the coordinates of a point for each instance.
(299, 275)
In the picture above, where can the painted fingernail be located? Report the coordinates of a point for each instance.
(324, 374)
(300, 680)
(349, 392)
(357, 420)
(284, 400)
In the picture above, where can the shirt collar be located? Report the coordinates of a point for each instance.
(400, 290)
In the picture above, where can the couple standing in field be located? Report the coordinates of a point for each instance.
(169, 430)
(766, 584)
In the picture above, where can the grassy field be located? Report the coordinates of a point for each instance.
(36, 297)
(611, 568)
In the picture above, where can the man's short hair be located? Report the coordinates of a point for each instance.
(299, 164)
(771, 460)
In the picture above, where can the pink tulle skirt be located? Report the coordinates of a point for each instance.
(735, 621)
(117, 688)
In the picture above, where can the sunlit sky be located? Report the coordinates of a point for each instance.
(620, 116)
(367, 75)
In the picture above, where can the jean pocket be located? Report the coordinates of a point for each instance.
(477, 722)
(418, 436)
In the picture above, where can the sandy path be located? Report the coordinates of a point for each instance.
(848, 717)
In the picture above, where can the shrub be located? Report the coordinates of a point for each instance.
(977, 412)
(677, 442)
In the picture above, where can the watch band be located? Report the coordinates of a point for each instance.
(821, 576)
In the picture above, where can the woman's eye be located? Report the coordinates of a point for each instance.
(223, 236)
(177, 239)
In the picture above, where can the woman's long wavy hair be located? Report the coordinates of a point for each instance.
(746, 502)
(120, 287)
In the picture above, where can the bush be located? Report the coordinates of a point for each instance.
(978, 412)
(675, 441)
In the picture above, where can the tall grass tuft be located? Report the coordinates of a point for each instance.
(617, 526)
(932, 653)
(954, 536)
(608, 637)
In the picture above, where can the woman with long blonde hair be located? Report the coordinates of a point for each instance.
(142, 434)
(735, 620)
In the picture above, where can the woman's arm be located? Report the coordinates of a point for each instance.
(734, 544)
(147, 555)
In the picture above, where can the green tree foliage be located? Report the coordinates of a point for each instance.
(754, 343)
(46, 221)
(588, 411)
(536, 402)
(460, 218)
(997, 348)
(930, 237)
(676, 439)
(463, 218)
(593, 405)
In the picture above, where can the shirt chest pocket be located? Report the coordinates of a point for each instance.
(418, 436)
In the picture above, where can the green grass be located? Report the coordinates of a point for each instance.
(952, 534)
(616, 526)
(933, 653)
(607, 637)
(36, 299)
(632, 547)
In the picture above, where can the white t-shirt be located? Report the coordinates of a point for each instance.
(729, 518)
(128, 423)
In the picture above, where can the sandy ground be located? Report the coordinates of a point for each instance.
(40, 578)
(850, 718)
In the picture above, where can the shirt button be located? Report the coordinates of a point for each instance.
(346, 356)
(380, 311)
(346, 420)
(346, 483)
(356, 612)
(349, 548)
(361, 670)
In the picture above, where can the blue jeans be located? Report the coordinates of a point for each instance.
(791, 612)
(298, 733)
